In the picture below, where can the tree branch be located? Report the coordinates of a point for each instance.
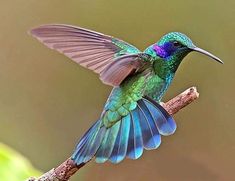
(64, 171)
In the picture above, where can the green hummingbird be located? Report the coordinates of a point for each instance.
(132, 119)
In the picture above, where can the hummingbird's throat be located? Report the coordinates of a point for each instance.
(165, 68)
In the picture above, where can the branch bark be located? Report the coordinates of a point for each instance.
(68, 168)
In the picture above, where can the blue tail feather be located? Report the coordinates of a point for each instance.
(120, 150)
(82, 144)
(100, 155)
(139, 130)
(95, 144)
(85, 137)
(165, 123)
(81, 153)
(82, 156)
(135, 144)
(106, 148)
(115, 152)
(151, 136)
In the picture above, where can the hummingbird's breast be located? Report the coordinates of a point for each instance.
(157, 86)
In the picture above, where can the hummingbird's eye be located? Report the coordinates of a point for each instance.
(176, 44)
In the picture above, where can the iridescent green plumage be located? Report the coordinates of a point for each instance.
(152, 82)
(132, 119)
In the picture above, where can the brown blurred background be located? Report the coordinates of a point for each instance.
(48, 101)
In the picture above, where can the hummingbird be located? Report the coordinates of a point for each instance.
(132, 119)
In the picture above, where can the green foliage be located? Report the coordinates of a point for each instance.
(13, 166)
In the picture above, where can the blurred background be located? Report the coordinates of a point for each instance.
(47, 101)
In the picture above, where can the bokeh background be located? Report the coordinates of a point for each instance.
(47, 101)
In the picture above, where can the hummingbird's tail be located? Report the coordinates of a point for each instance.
(89, 143)
(140, 129)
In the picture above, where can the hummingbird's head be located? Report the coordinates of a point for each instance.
(175, 46)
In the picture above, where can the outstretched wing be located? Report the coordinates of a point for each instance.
(88, 48)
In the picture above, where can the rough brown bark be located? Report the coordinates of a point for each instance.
(68, 168)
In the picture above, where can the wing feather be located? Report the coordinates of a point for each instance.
(118, 70)
(90, 49)
(83, 46)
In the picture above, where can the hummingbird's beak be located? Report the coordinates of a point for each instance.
(208, 54)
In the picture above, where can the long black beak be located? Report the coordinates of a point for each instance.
(207, 53)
